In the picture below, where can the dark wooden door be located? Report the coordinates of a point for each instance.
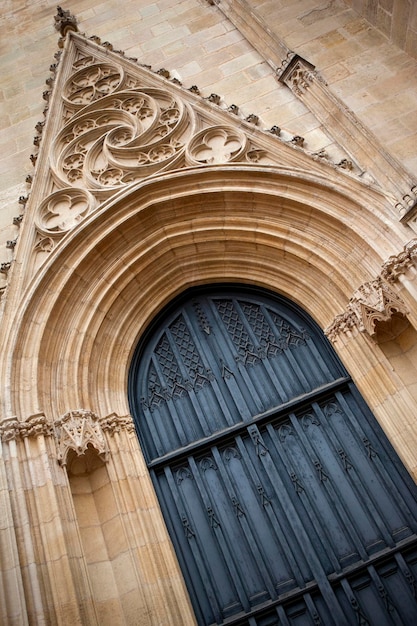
(284, 500)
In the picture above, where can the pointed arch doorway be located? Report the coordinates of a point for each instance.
(284, 500)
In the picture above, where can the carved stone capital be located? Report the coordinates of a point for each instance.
(342, 323)
(372, 303)
(114, 423)
(76, 430)
(9, 429)
(35, 426)
(398, 264)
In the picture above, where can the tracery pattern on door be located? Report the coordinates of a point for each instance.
(284, 500)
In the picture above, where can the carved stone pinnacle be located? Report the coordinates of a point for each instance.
(65, 22)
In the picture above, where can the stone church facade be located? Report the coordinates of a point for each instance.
(209, 313)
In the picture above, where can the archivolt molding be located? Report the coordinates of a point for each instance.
(372, 303)
(293, 232)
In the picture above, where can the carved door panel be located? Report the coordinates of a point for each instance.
(284, 501)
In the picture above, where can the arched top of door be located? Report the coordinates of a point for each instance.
(297, 234)
(220, 357)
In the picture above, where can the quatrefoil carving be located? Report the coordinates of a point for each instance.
(63, 209)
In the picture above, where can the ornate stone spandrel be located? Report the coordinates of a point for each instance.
(123, 137)
(91, 83)
(76, 431)
(373, 303)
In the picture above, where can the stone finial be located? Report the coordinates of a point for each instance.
(65, 22)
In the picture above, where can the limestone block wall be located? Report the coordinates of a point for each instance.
(397, 19)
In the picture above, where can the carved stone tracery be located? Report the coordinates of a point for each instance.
(121, 138)
(218, 144)
(62, 210)
(372, 303)
(120, 127)
(77, 430)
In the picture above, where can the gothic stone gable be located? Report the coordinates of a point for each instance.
(111, 123)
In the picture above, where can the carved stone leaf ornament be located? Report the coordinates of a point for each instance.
(35, 426)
